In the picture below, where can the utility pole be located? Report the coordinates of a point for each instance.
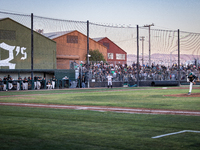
(88, 52)
(32, 49)
(138, 56)
(149, 42)
(142, 39)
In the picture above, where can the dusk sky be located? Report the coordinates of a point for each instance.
(165, 14)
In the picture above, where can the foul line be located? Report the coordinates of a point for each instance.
(155, 137)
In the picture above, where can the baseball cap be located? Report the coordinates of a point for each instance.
(190, 74)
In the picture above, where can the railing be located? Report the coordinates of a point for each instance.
(98, 71)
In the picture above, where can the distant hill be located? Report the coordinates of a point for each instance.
(163, 58)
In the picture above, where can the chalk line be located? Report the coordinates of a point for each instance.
(155, 137)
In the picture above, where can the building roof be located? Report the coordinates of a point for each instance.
(2, 19)
(53, 35)
(98, 39)
(101, 38)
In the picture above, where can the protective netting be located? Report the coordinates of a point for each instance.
(158, 49)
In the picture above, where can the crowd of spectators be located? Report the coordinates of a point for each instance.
(98, 71)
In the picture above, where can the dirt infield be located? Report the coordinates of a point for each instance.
(112, 109)
(185, 95)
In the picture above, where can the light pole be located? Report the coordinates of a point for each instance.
(149, 42)
(142, 39)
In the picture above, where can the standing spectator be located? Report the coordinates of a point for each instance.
(19, 82)
(43, 83)
(30, 82)
(25, 84)
(35, 82)
(10, 85)
(83, 81)
(53, 82)
(1, 84)
(39, 80)
(5, 83)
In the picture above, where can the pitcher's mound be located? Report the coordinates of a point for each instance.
(185, 95)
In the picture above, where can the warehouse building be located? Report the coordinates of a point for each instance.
(114, 53)
(15, 51)
(72, 46)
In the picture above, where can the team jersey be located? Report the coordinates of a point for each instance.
(192, 77)
(109, 78)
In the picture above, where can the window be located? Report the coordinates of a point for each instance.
(7, 35)
(110, 55)
(120, 56)
(72, 39)
(106, 45)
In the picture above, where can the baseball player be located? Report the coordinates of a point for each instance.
(18, 82)
(4, 83)
(191, 78)
(53, 82)
(109, 77)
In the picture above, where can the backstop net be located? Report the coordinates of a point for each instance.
(62, 44)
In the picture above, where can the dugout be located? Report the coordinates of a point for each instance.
(46, 74)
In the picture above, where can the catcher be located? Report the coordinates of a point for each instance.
(191, 78)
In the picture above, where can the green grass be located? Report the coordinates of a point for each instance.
(139, 98)
(45, 128)
(36, 128)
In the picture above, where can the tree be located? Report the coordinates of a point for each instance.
(96, 55)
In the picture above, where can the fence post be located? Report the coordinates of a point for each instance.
(178, 57)
(32, 85)
(138, 56)
(88, 67)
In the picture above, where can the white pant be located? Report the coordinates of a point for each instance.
(190, 90)
(18, 86)
(4, 87)
(191, 84)
(25, 86)
(49, 86)
(37, 85)
(10, 86)
(109, 83)
(53, 84)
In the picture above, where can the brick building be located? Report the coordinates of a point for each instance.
(114, 52)
(72, 46)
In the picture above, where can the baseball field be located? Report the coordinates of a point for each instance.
(101, 119)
